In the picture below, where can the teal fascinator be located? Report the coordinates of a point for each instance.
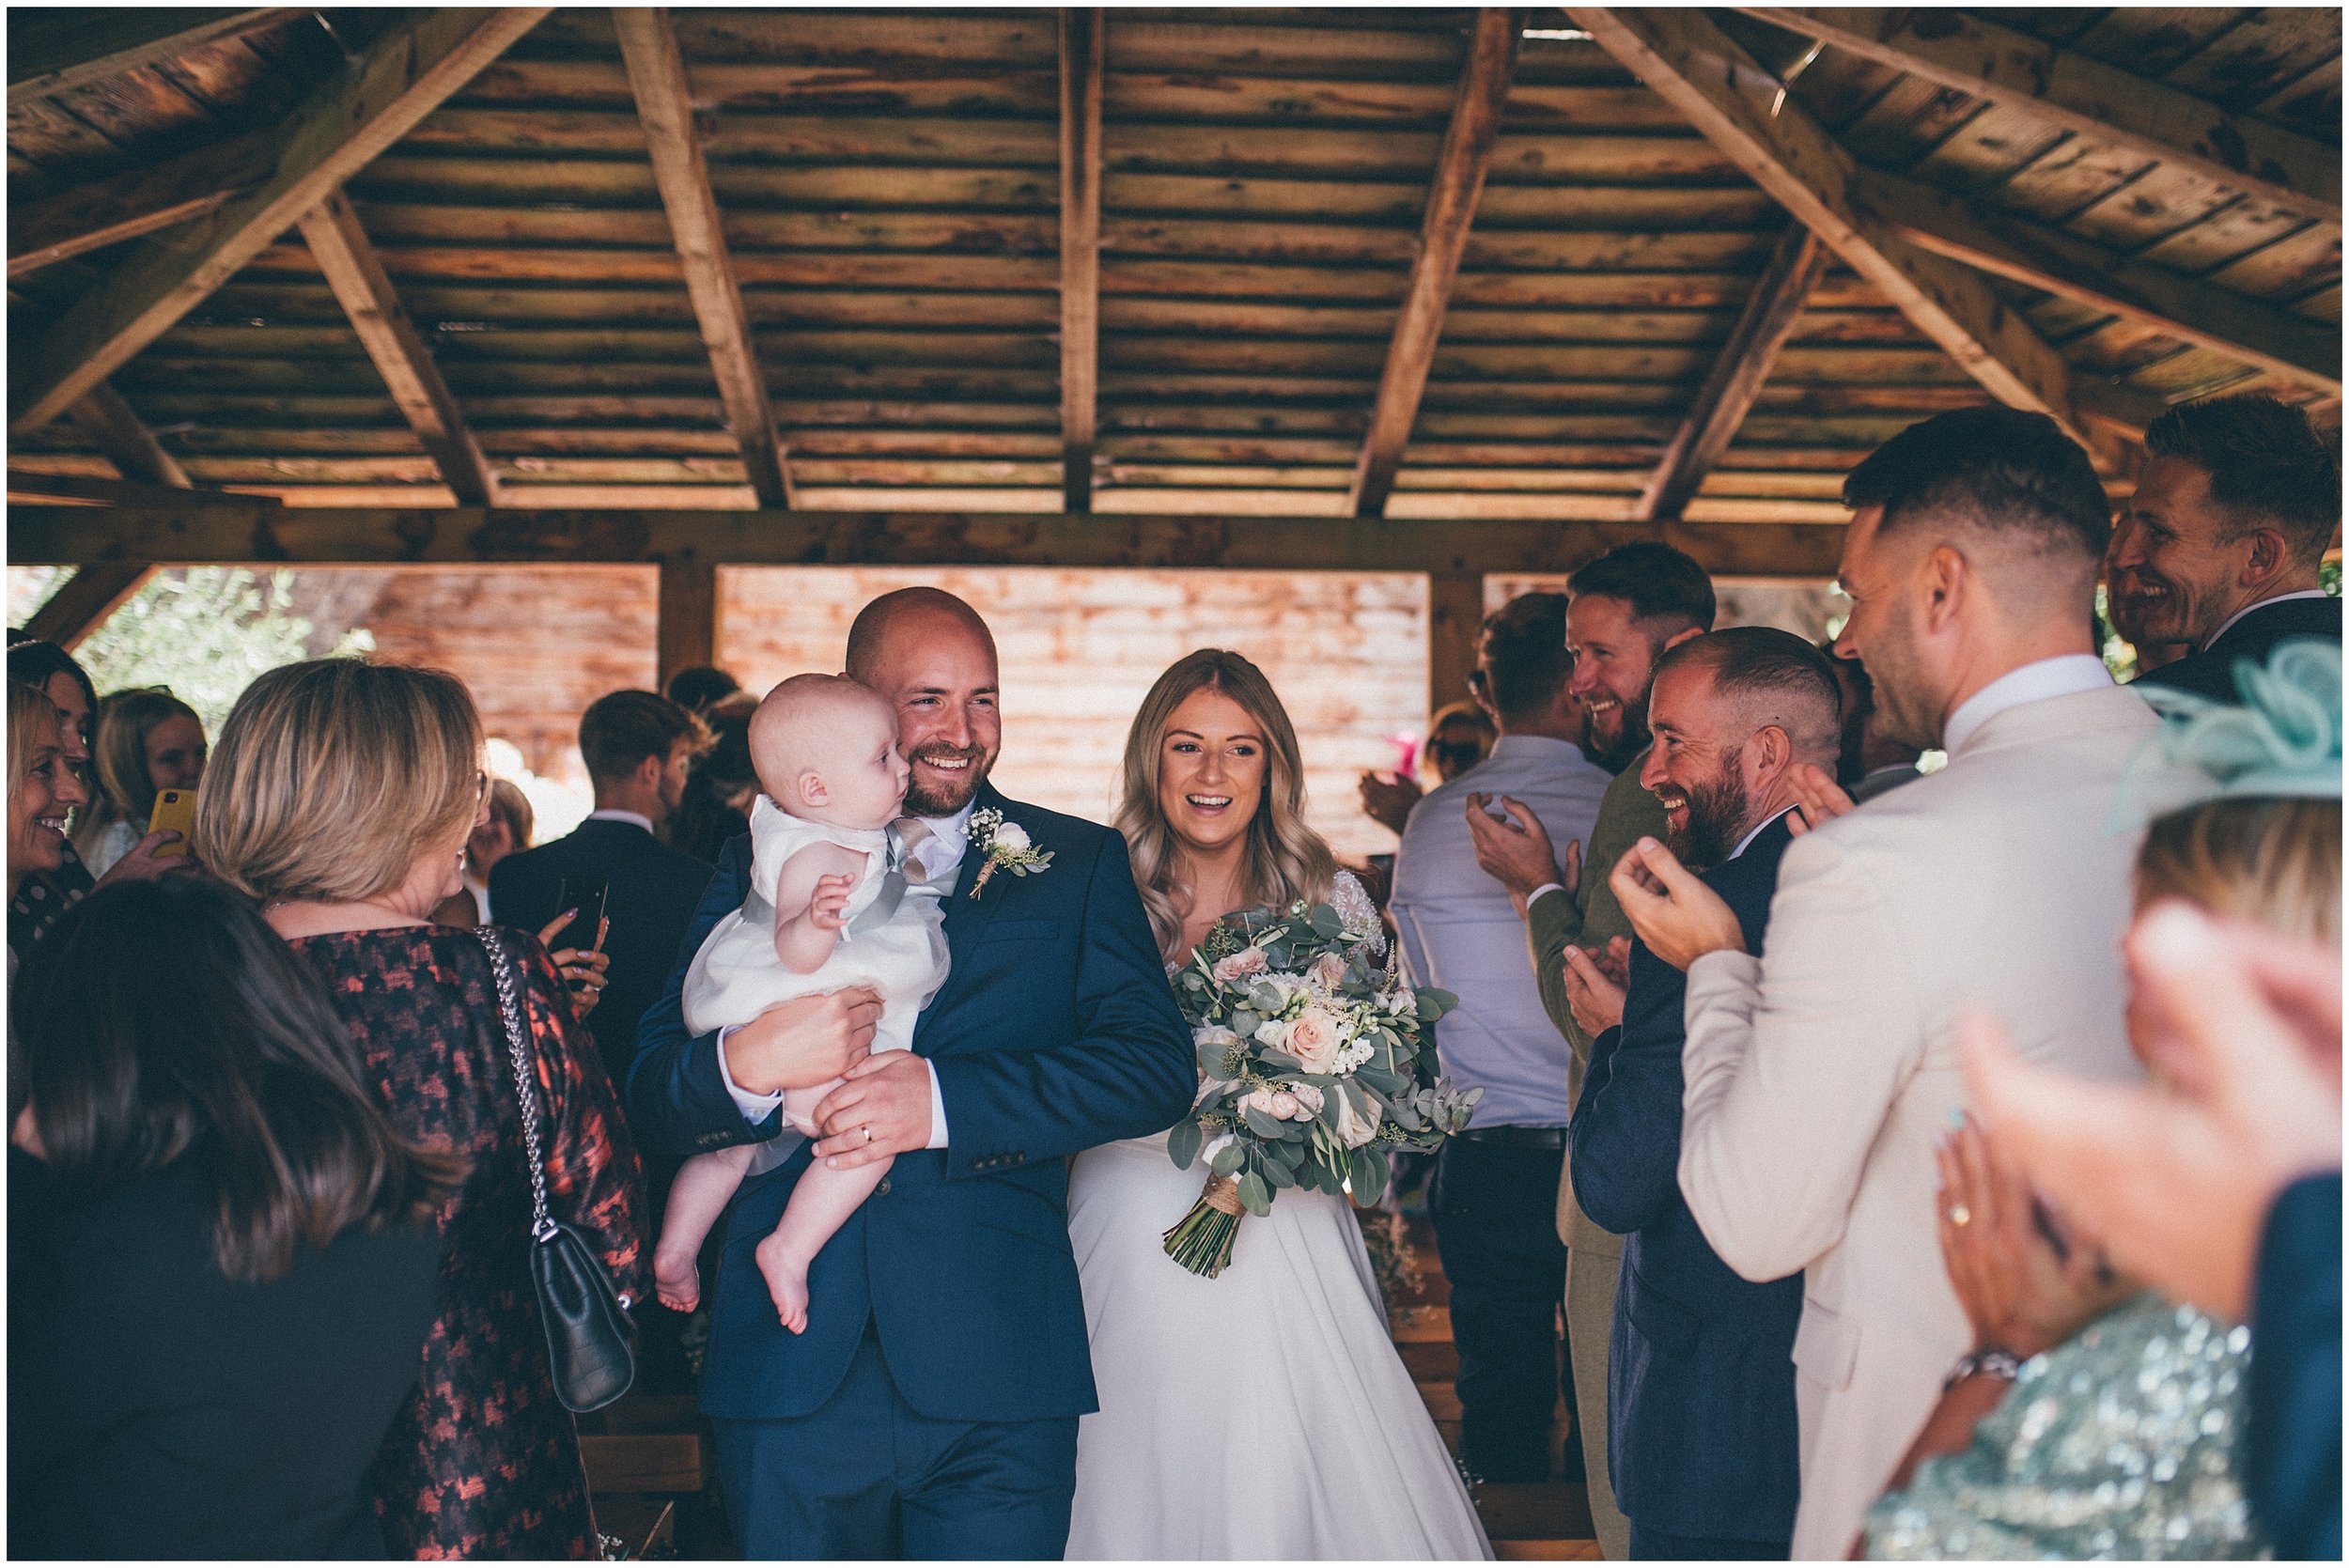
(2283, 738)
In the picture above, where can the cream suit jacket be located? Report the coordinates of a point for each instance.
(1820, 1076)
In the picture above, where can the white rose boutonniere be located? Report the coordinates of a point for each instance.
(1006, 845)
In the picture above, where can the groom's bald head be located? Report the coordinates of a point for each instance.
(909, 617)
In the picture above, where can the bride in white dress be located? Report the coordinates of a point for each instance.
(1263, 1414)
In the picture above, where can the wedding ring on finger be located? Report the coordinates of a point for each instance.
(868, 1133)
(1960, 1214)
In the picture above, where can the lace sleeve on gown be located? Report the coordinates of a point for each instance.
(1354, 907)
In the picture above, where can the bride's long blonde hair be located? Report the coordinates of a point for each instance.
(1285, 859)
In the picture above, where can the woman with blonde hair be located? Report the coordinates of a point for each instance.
(341, 797)
(147, 741)
(42, 788)
(1263, 1413)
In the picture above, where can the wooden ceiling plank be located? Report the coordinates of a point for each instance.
(110, 424)
(1082, 34)
(1729, 98)
(655, 73)
(2066, 88)
(136, 203)
(360, 110)
(1745, 362)
(1461, 165)
(54, 51)
(2219, 320)
(257, 534)
(369, 298)
(33, 485)
(84, 599)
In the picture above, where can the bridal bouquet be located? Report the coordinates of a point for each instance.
(1317, 1061)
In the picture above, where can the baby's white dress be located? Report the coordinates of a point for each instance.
(736, 976)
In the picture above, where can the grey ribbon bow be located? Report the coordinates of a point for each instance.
(896, 884)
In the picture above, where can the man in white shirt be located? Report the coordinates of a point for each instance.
(2221, 545)
(1820, 1076)
(1493, 1190)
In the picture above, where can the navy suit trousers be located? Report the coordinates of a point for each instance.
(867, 1477)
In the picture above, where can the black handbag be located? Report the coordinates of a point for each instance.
(591, 1341)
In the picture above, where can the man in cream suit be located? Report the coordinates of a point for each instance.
(1819, 1076)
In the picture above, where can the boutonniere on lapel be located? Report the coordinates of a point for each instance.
(1006, 845)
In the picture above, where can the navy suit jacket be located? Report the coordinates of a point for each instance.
(654, 892)
(1055, 1032)
(2211, 673)
(1699, 1370)
(2292, 1468)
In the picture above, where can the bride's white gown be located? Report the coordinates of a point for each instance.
(1260, 1414)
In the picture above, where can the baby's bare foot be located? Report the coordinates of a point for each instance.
(677, 1281)
(787, 1281)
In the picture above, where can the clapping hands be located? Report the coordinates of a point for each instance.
(1679, 918)
(2023, 1292)
(1597, 983)
(1517, 852)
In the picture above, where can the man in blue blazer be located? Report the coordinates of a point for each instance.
(1703, 1444)
(930, 1409)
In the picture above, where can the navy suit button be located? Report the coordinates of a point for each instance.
(882, 1190)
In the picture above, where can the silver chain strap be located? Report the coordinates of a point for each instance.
(518, 1050)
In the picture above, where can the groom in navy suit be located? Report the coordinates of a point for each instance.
(1700, 1382)
(930, 1409)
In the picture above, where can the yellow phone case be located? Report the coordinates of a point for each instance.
(175, 809)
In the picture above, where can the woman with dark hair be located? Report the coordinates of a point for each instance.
(720, 788)
(225, 1260)
(342, 798)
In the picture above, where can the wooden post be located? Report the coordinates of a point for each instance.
(1455, 613)
(1080, 44)
(686, 630)
(93, 593)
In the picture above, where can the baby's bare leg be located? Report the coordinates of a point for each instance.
(704, 1186)
(799, 1106)
(819, 1205)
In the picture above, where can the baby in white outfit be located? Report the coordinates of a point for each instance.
(823, 913)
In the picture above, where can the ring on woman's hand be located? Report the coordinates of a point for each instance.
(868, 1132)
(1960, 1214)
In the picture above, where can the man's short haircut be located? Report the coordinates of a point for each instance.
(619, 731)
(1776, 670)
(1668, 592)
(2269, 467)
(2005, 470)
(1525, 655)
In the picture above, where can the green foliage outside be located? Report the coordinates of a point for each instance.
(204, 633)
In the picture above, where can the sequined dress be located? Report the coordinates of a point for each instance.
(2122, 1442)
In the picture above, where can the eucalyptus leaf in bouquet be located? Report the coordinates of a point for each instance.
(1315, 1061)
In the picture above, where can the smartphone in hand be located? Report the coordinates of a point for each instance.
(175, 809)
(590, 897)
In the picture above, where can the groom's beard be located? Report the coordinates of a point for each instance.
(1717, 817)
(949, 796)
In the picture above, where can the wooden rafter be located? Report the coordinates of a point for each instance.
(1080, 54)
(136, 203)
(2105, 104)
(346, 256)
(85, 599)
(55, 50)
(1746, 361)
(28, 486)
(1460, 179)
(363, 108)
(2275, 339)
(58, 535)
(111, 425)
(655, 73)
(1736, 104)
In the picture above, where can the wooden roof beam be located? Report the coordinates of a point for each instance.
(1460, 179)
(83, 600)
(1081, 52)
(2306, 350)
(340, 245)
(109, 424)
(210, 533)
(1746, 361)
(1690, 63)
(656, 74)
(2084, 95)
(55, 50)
(366, 106)
(137, 202)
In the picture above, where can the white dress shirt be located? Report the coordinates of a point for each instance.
(1461, 931)
(2064, 675)
(936, 857)
(613, 814)
(2280, 599)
